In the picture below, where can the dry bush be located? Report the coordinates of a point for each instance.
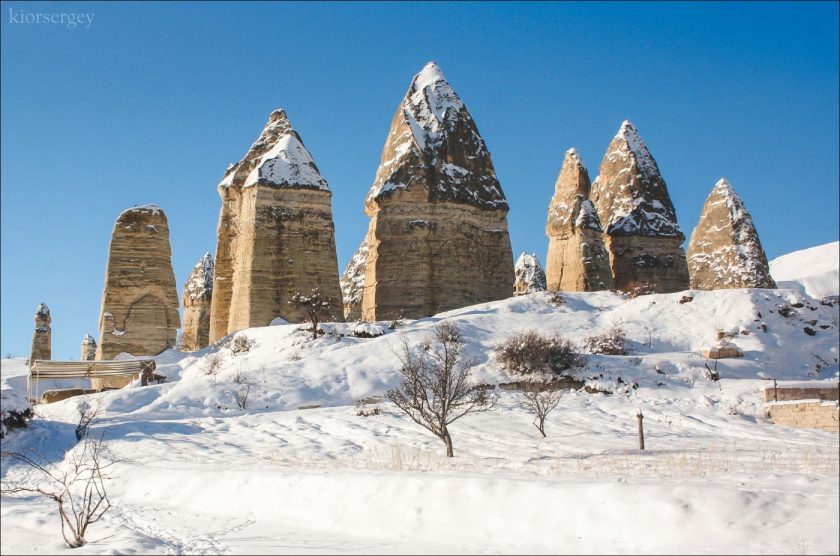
(87, 414)
(366, 407)
(610, 343)
(213, 364)
(555, 298)
(315, 305)
(241, 344)
(529, 354)
(77, 486)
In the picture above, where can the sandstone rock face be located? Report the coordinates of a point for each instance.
(724, 250)
(197, 296)
(88, 348)
(276, 234)
(641, 231)
(577, 258)
(42, 337)
(529, 275)
(140, 301)
(353, 283)
(438, 236)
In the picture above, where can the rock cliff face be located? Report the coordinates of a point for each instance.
(641, 231)
(197, 296)
(140, 301)
(438, 236)
(353, 283)
(276, 234)
(724, 250)
(42, 337)
(577, 258)
(529, 275)
(88, 348)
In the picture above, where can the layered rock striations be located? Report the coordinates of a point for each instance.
(577, 258)
(529, 275)
(353, 283)
(275, 234)
(640, 225)
(140, 301)
(438, 236)
(196, 298)
(724, 250)
(42, 336)
(88, 352)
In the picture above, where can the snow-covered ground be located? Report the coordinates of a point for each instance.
(198, 474)
(813, 271)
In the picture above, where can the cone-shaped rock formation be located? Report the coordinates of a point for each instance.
(88, 348)
(577, 259)
(641, 231)
(275, 236)
(724, 250)
(529, 274)
(438, 236)
(353, 283)
(42, 337)
(197, 296)
(140, 300)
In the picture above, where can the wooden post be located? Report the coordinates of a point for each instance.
(639, 416)
(775, 391)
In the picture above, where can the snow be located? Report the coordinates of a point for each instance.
(812, 271)
(530, 276)
(201, 475)
(154, 209)
(278, 158)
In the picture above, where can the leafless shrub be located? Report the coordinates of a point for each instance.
(87, 414)
(646, 289)
(241, 344)
(530, 353)
(541, 402)
(314, 304)
(213, 364)
(241, 389)
(609, 343)
(77, 486)
(435, 387)
(556, 298)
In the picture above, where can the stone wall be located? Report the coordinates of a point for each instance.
(814, 414)
(802, 392)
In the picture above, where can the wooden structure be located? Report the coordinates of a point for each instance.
(102, 374)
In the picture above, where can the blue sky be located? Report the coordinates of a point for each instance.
(151, 102)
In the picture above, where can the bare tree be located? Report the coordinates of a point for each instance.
(315, 304)
(435, 387)
(541, 400)
(77, 487)
(87, 414)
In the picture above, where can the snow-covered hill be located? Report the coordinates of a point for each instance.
(813, 271)
(203, 475)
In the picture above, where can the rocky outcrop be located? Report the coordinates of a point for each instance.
(140, 301)
(353, 283)
(577, 258)
(275, 234)
(42, 337)
(724, 250)
(529, 275)
(438, 236)
(197, 296)
(641, 231)
(88, 348)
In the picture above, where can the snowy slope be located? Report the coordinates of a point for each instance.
(202, 475)
(813, 271)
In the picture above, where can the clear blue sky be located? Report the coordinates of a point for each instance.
(152, 101)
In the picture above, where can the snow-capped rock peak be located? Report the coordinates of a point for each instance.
(42, 310)
(430, 74)
(88, 340)
(277, 158)
(200, 283)
(530, 276)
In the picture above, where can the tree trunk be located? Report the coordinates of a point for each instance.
(541, 427)
(448, 441)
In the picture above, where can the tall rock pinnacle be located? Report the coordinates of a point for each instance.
(530, 277)
(640, 224)
(577, 259)
(42, 336)
(353, 283)
(140, 301)
(197, 296)
(438, 236)
(275, 234)
(724, 250)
